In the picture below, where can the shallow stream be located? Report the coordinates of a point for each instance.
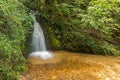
(73, 66)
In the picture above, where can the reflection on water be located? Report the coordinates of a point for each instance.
(74, 66)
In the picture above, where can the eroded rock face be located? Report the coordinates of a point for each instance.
(73, 66)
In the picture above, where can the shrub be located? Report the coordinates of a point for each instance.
(15, 24)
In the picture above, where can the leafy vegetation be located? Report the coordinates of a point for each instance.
(14, 27)
(82, 25)
(91, 26)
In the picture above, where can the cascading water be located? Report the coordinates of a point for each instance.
(38, 42)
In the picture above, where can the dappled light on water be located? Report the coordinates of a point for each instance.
(73, 66)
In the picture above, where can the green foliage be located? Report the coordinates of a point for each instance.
(103, 17)
(34, 4)
(54, 40)
(100, 15)
(14, 26)
(84, 25)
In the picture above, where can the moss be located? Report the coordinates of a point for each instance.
(54, 40)
(1, 76)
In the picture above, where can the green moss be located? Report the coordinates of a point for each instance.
(54, 40)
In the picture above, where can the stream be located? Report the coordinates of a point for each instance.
(73, 66)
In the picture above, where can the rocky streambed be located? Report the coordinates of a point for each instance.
(73, 66)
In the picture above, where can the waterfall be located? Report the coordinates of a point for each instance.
(38, 42)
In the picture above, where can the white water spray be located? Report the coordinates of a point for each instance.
(38, 42)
